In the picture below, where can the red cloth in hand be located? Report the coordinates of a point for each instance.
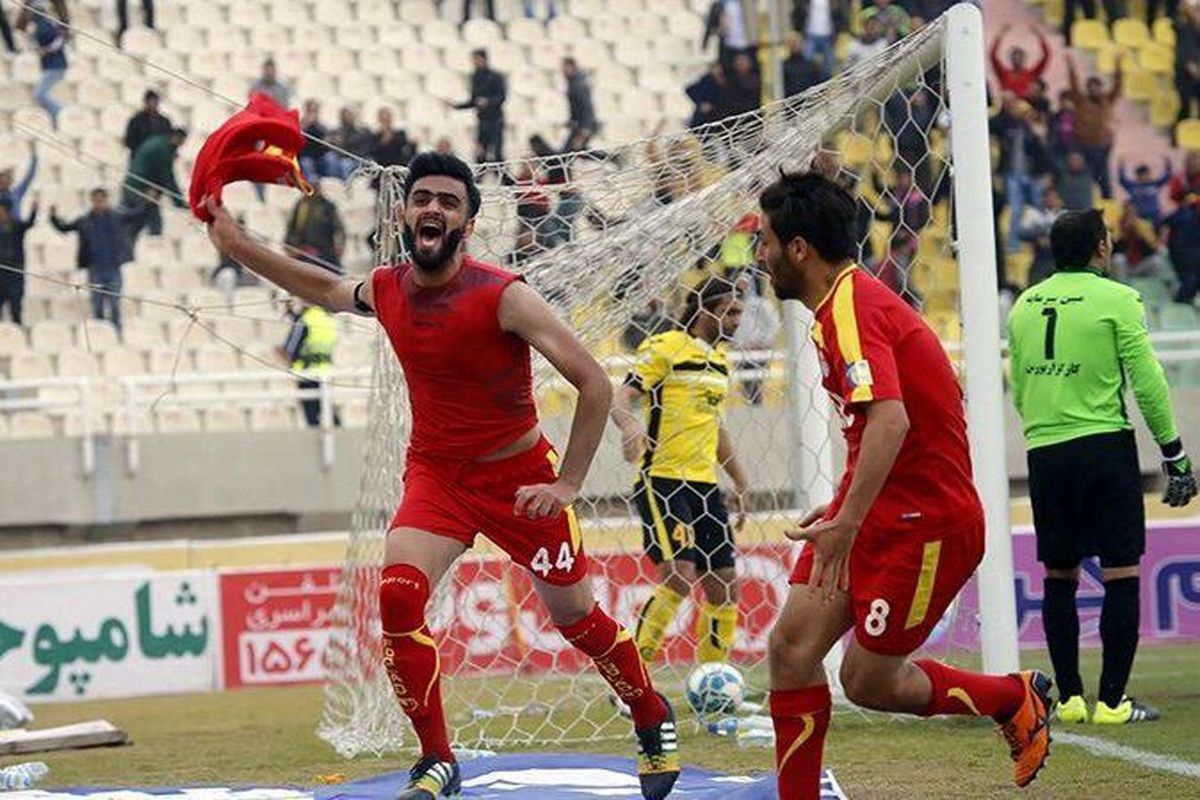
(260, 143)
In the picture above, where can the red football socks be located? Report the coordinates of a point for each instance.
(617, 659)
(956, 691)
(801, 718)
(410, 656)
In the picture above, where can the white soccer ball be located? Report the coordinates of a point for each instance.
(715, 689)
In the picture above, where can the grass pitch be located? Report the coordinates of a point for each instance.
(265, 736)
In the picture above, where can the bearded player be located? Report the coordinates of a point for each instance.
(477, 460)
(905, 529)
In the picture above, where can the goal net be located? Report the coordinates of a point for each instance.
(616, 239)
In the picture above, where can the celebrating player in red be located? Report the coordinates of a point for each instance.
(477, 460)
(905, 529)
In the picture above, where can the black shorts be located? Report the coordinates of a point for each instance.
(684, 520)
(1087, 501)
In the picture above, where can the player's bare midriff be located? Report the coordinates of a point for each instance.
(519, 445)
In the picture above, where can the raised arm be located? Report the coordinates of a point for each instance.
(994, 54)
(1114, 93)
(1163, 179)
(1072, 77)
(59, 225)
(523, 312)
(1044, 60)
(311, 283)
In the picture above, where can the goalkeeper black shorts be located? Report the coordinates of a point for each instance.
(684, 520)
(1087, 501)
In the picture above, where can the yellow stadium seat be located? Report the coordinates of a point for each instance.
(1106, 58)
(1164, 31)
(1089, 34)
(1158, 59)
(1140, 85)
(1187, 134)
(1164, 108)
(1130, 32)
(1017, 265)
(1111, 210)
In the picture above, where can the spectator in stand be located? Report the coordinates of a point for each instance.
(390, 146)
(707, 94)
(732, 22)
(146, 123)
(819, 22)
(270, 85)
(1034, 227)
(317, 160)
(309, 351)
(1187, 59)
(1075, 183)
(756, 332)
(1115, 9)
(907, 209)
(910, 116)
(1018, 78)
(743, 94)
(315, 231)
(352, 138)
(582, 124)
(12, 258)
(6, 31)
(103, 248)
(51, 43)
(1135, 246)
(33, 9)
(529, 7)
(14, 196)
(1023, 161)
(559, 227)
(871, 43)
(1039, 101)
(800, 71)
(123, 17)
(533, 212)
(1144, 189)
(1183, 226)
(1060, 136)
(1094, 122)
(895, 22)
(151, 174)
(489, 10)
(488, 93)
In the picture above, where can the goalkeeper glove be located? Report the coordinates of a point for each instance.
(1181, 480)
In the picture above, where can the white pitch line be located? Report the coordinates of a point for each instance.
(1107, 749)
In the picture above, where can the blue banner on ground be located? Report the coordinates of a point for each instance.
(552, 776)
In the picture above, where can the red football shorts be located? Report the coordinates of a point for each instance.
(460, 499)
(902, 581)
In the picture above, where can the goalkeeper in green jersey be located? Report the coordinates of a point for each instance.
(1074, 340)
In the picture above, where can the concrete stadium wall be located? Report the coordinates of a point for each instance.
(224, 476)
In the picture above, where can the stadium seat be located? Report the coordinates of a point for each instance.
(224, 419)
(1164, 108)
(51, 336)
(272, 418)
(76, 364)
(170, 419)
(1158, 59)
(1164, 31)
(96, 335)
(1089, 34)
(30, 425)
(122, 361)
(1140, 86)
(1187, 134)
(1178, 317)
(216, 358)
(377, 12)
(30, 366)
(12, 339)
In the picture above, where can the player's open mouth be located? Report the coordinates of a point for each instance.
(429, 232)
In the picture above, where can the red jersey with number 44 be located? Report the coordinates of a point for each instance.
(872, 346)
(469, 380)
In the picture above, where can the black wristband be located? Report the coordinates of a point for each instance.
(1172, 449)
(358, 301)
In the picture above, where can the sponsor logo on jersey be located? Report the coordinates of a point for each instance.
(859, 373)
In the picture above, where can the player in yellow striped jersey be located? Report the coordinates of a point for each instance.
(686, 528)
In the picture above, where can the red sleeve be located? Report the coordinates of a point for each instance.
(1040, 66)
(997, 64)
(863, 340)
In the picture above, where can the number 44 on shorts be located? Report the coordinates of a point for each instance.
(541, 560)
